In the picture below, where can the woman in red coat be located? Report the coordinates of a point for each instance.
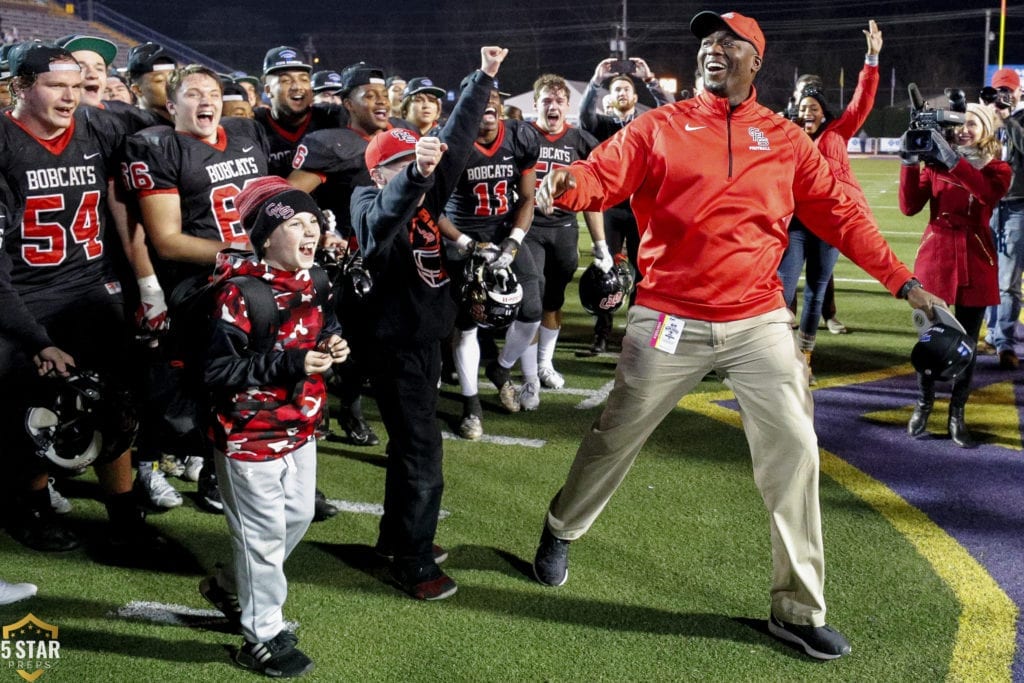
(956, 259)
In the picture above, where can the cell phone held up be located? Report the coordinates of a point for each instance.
(623, 66)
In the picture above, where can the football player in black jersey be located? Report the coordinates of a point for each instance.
(493, 202)
(94, 55)
(291, 114)
(186, 180)
(396, 92)
(149, 65)
(330, 164)
(619, 222)
(59, 163)
(553, 240)
(421, 105)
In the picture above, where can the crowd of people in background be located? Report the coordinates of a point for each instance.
(136, 205)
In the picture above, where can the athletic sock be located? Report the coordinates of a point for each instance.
(546, 346)
(467, 361)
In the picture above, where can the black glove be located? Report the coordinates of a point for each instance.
(941, 154)
(508, 250)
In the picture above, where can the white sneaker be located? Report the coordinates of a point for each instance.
(193, 466)
(154, 484)
(529, 396)
(59, 503)
(550, 378)
(13, 592)
(171, 466)
(836, 327)
(471, 428)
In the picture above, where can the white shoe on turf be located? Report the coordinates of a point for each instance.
(59, 503)
(193, 466)
(529, 396)
(153, 484)
(13, 592)
(471, 428)
(551, 378)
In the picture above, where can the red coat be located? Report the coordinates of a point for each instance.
(957, 259)
(833, 140)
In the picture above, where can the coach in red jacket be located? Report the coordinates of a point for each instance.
(714, 182)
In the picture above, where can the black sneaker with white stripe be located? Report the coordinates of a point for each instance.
(820, 642)
(277, 657)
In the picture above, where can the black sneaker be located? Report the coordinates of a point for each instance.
(385, 553)
(358, 432)
(820, 642)
(322, 508)
(600, 344)
(277, 657)
(209, 491)
(226, 602)
(551, 564)
(43, 531)
(424, 583)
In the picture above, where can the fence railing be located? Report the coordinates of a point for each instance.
(98, 12)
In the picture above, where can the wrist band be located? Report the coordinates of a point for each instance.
(517, 234)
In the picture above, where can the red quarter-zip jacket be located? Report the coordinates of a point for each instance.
(713, 189)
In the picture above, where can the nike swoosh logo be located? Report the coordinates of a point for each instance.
(692, 128)
(508, 158)
(91, 156)
(246, 149)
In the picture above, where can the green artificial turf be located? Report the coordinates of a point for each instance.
(671, 584)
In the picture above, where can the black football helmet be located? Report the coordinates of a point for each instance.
(80, 420)
(489, 298)
(942, 352)
(602, 292)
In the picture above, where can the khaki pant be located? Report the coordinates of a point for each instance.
(759, 358)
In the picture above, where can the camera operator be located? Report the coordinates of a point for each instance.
(1008, 218)
(962, 184)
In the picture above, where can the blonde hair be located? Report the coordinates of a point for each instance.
(988, 145)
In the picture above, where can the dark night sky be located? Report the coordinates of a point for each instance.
(936, 43)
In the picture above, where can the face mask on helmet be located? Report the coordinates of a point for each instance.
(602, 292)
(79, 421)
(491, 299)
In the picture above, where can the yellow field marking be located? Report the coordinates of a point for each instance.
(986, 632)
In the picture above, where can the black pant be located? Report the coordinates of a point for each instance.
(405, 380)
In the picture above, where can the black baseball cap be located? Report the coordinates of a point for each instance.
(101, 46)
(422, 84)
(284, 58)
(233, 92)
(494, 86)
(355, 75)
(326, 81)
(35, 57)
(149, 57)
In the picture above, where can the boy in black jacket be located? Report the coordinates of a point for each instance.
(396, 224)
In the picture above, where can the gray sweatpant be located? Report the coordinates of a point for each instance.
(268, 505)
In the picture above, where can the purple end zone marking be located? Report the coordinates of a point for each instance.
(976, 495)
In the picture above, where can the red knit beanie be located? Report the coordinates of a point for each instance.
(265, 203)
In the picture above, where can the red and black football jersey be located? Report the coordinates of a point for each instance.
(337, 155)
(558, 151)
(486, 190)
(60, 188)
(206, 177)
(284, 141)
